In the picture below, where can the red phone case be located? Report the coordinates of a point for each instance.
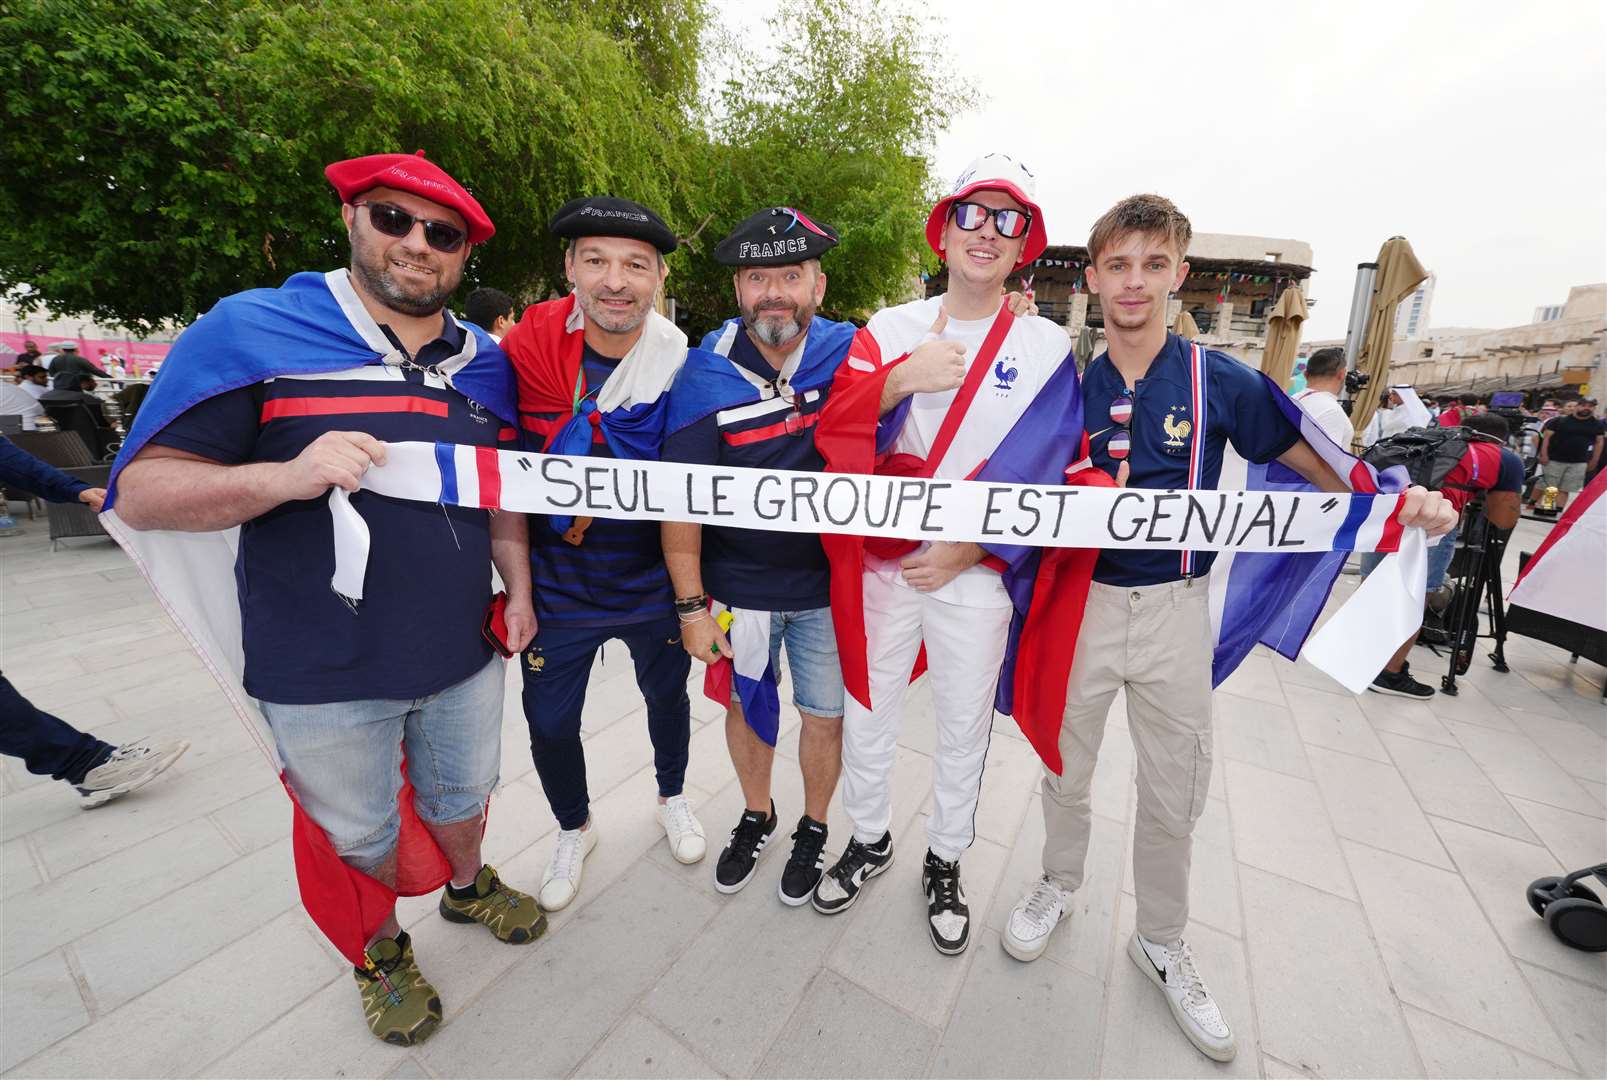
(496, 625)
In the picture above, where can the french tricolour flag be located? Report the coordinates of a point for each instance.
(747, 671)
(470, 475)
(1275, 598)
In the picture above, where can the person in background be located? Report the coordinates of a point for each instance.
(34, 380)
(492, 311)
(1465, 406)
(29, 356)
(15, 401)
(48, 745)
(1325, 377)
(1570, 449)
(68, 362)
(1486, 466)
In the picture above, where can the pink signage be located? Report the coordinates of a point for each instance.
(138, 356)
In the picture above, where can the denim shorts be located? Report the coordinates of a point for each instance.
(344, 760)
(817, 680)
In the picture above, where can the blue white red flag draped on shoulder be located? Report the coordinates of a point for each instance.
(313, 324)
(710, 382)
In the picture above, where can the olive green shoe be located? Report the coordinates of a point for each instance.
(399, 1003)
(513, 916)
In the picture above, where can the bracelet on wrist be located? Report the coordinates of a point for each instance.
(690, 605)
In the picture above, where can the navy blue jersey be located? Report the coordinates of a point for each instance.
(417, 630)
(615, 576)
(1242, 412)
(751, 568)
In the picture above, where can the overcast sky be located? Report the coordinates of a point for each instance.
(1476, 130)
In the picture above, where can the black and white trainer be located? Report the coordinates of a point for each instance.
(807, 863)
(840, 886)
(741, 856)
(1400, 684)
(947, 916)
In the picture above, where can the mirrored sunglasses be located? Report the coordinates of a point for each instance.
(972, 216)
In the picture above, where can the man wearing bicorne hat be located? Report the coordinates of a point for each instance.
(385, 712)
(594, 369)
(952, 387)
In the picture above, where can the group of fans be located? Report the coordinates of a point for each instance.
(386, 714)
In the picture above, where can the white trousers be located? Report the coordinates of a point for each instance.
(964, 648)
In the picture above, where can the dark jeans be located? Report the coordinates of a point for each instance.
(557, 666)
(48, 745)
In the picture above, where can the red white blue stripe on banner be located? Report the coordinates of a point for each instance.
(470, 475)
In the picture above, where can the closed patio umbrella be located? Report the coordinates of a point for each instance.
(1399, 273)
(1186, 327)
(1283, 335)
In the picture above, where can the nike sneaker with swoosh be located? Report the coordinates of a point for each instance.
(841, 885)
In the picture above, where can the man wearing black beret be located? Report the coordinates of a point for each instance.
(594, 369)
(749, 398)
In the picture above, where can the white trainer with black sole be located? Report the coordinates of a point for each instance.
(131, 766)
(1193, 1007)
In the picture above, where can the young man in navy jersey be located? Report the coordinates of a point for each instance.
(1146, 626)
(750, 398)
(594, 369)
(348, 689)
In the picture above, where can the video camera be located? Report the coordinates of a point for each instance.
(1509, 403)
(1356, 381)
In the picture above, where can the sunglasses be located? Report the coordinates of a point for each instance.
(1121, 415)
(394, 221)
(972, 216)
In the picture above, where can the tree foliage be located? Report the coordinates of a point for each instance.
(158, 155)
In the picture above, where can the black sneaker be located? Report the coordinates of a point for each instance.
(839, 887)
(1401, 684)
(947, 916)
(805, 866)
(741, 856)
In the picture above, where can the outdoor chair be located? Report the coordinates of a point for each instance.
(75, 519)
(63, 449)
(10, 423)
(102, 442)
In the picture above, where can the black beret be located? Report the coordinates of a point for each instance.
(778, 236)
(604, 215)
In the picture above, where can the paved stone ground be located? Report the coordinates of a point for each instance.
(1358, 893)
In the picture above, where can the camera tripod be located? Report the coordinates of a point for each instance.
(1477, 565)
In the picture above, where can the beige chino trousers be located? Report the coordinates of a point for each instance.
(1156, 641)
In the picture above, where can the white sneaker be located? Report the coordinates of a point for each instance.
(1193, 1007)
(131, 766)
(682, 829)
(561, 882)
(1034, 918)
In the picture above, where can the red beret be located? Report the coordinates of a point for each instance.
(414, 174)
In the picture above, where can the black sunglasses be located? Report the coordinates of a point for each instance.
(971, 216)
(394, 221)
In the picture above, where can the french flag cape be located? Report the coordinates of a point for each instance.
(711, 382)
(1559, 597)
(1047, 586)
(313, 323)
(561, 414)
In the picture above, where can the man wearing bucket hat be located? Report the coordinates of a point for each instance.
(386, 713)
(952, 387)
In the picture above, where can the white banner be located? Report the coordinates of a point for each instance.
(906, 508)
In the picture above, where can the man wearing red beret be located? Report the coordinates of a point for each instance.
(385, 713)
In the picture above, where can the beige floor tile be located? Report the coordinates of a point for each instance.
(1577, 840)
(1410, 718)
(1313, 1024)
(1255, 678)
(17, 871)
(1579, 750)
(1009, 785)
(1470, 705)
(1258, 734)
(1447, 783)
(1333, 722)
(1578, 1012)
(1498, 870)
(1368, 801)
(638, 1047)
(1442, 955)
(1516, 766)
(42, 1005)
(841, 1030)
(1452, 1051)
(1020, 1020)
(1279, 825)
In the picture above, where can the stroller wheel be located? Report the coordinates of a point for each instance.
(1544, 891)
(1581, 924)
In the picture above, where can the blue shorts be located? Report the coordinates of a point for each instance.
(817, 678)
(344, 760)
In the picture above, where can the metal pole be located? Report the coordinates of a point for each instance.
(1361, 306)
